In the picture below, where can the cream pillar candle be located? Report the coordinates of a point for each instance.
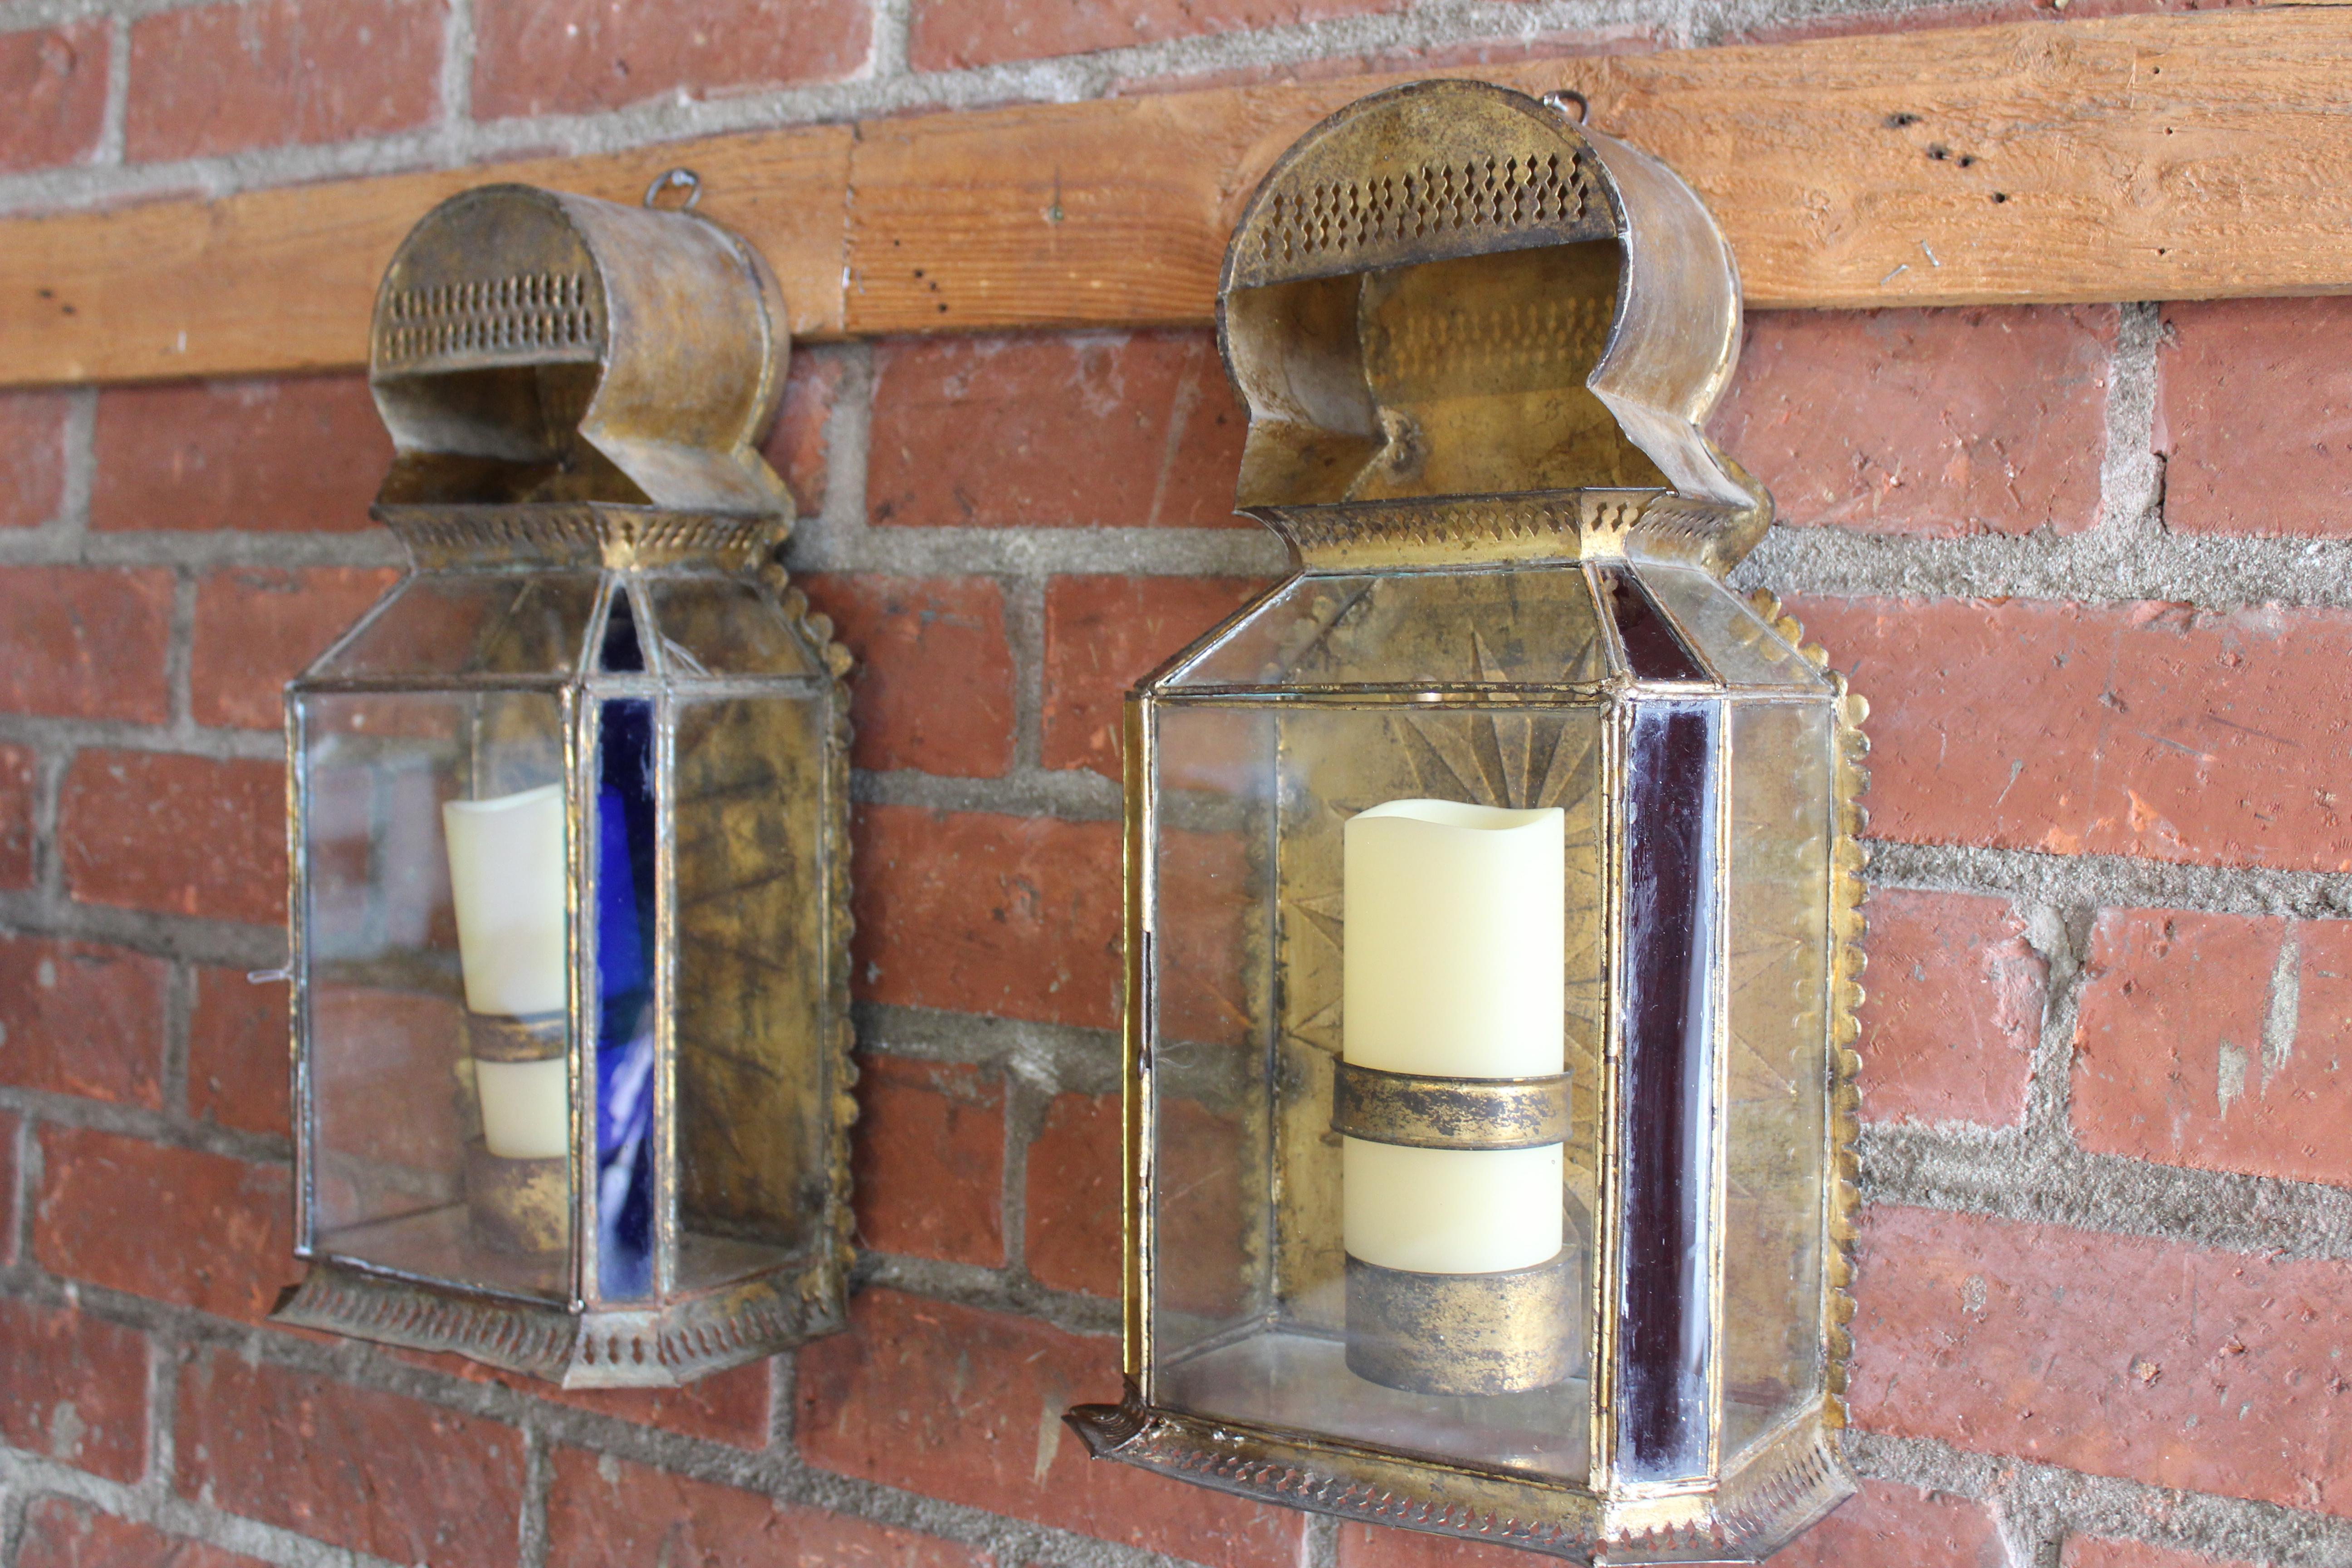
(1453, 967)
(506, 882)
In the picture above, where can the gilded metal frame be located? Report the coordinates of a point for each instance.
(680, 329)
(1668, 354)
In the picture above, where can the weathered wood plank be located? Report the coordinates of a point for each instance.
(284, 279)
(2144, 157)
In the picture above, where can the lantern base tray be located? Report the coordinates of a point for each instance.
(1781, 1484)
(657, 1346)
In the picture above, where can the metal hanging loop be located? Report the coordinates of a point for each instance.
(1558, 101)
(684, 180)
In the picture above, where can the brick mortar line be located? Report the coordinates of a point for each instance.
(223, 944)
(2109, 881)
(1060, 78)
(1065, 1059)
(47, 1108)
(2010, 1173)
(201, 551)
(179, 736)
(2205, 1523)
(32, 1477)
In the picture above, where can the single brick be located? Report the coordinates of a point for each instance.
(353, 1468)
(54, 79)
(929, 1160)
(2151, 1361)
(65, 1532)
(975, 912)
(797, 446)
(78, 1017)
(215, 79)
(1885, 1522)
(86, 642)
(958, 35)
(1119, 430)
(19, 791)
(729, 1406)
(966, 1405)
(1378, 1546)
(2254, 416)
(302, 455)
(2217, 1041)
(934, 689)
(575, 56)
(1076, 1173)
(1102, 635)
(183, 834)
(2125, 729)
(73, 1388)
(105, 1199)
(1954, 1009)
(617, 1514)
(32, 429)
(257, 627)
(239, 1046)
(1934, 421)
(2104, 1552)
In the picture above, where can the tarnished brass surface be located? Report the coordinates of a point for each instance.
(493, 1037)
(531, 347)
(1478, 345)
(1450, 292)
(1464, 1333)
(574, 391)
(1448, 1112)
(517, 1205)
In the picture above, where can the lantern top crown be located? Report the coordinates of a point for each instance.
(1468, 328)
(551, 351)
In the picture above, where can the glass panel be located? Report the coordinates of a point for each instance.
(1419, 630)
(1653, 650)
(1776, 1078)
(472, 623)
(1733, 637)
(436, 979)
(1266, 1311)
(712, 625)
(1667, 1030)
(753, 795)
(622, 896)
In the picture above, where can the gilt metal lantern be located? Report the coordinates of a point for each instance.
(569, 910)
(1491, 887)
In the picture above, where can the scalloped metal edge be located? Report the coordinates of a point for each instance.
(1849, 854)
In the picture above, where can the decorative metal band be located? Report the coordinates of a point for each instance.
(1464, 1333)
(495, 1038)
(1760, 1509)
(661, 1347)
(1449, 1112)
(1542, 525)
(596, 536)
(1390, 214)
(535, 315)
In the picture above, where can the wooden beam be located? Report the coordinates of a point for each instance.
(2146, 157)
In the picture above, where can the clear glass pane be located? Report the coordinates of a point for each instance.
(472, 623)
(1777, 1079)
(1733, 637)
(752, 792)
(1418, 630)
(435, 843)
(711, 625)
(1263, 1309)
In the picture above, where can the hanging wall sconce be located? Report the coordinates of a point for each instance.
(570, 905)
(1491, 887)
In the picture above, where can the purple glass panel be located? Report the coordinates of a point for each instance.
(1651, 648)
(1662, 1371)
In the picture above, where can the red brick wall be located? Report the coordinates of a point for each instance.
(2092, 565)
